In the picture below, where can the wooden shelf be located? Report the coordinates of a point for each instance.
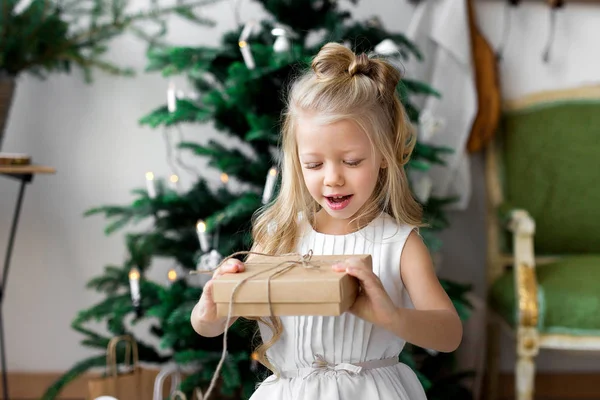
(26, 169)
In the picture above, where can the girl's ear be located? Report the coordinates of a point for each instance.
(383, 164)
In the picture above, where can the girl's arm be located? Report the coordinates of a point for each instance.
(204, 314)
(204, 317)
(434, 323)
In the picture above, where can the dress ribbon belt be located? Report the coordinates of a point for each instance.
(321, 365)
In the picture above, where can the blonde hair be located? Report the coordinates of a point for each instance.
(339, 86)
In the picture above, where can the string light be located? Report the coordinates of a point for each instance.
(172, 275)
(150, 185)
(171, 98)
(174, 179)
(254, 362)
(269, 185)
(202, 235)
(245, 46)
(134, 288)
(224, 178)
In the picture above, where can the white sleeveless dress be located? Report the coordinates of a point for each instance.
(345, 340)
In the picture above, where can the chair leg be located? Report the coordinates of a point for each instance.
(525, 378)
(527, 350)
(492, 361)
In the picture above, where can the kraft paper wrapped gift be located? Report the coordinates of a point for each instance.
(309, 289)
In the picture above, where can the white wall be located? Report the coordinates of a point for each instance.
(90, 134)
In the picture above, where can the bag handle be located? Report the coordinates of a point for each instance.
(111, 354)
(178, 394)
(171, 370)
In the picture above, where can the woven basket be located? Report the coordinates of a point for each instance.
(7, 90)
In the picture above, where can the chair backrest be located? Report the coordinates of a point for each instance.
(551, 167)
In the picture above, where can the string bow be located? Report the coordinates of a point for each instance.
(320, 364)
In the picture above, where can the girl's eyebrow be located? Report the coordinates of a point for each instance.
(309, 154)
(346, 151)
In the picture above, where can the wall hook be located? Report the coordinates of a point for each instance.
(555, 6)
(508, 10)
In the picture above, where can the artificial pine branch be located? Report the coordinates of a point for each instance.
(103, 309)
(186, 111)
(246, 204)
(110, 282)
(431, 153)
(48, 36)
(417, 88)
(232, 161)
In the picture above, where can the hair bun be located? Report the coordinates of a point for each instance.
(360, 65)
(332, 61)
(336, 62)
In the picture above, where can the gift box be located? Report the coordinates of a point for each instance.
(297, 286)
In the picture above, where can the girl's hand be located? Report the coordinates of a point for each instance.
(373, 304)
(207, 310)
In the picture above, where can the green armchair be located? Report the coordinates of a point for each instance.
(543, 221)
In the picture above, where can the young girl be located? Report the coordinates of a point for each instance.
(346, 139)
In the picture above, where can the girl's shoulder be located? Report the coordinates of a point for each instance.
(391, 230)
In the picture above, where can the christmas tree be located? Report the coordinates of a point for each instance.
(239, 87)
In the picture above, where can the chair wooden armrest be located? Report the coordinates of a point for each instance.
(522, 227)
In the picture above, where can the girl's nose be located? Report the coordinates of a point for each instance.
(333, 177)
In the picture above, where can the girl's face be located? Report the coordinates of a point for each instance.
(339, 166)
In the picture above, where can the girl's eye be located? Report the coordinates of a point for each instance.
(353, 163)
(312, 165)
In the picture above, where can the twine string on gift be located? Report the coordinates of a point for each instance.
(304, 261)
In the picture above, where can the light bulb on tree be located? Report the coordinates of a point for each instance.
(224, 179)
(245, 46)
(269, 185)
(173, 179)
(134, 288)
(171, 98)
(202, 235)
(172, 274)
(254, 362)
(150, 184)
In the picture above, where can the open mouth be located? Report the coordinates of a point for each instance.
(338, 202)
